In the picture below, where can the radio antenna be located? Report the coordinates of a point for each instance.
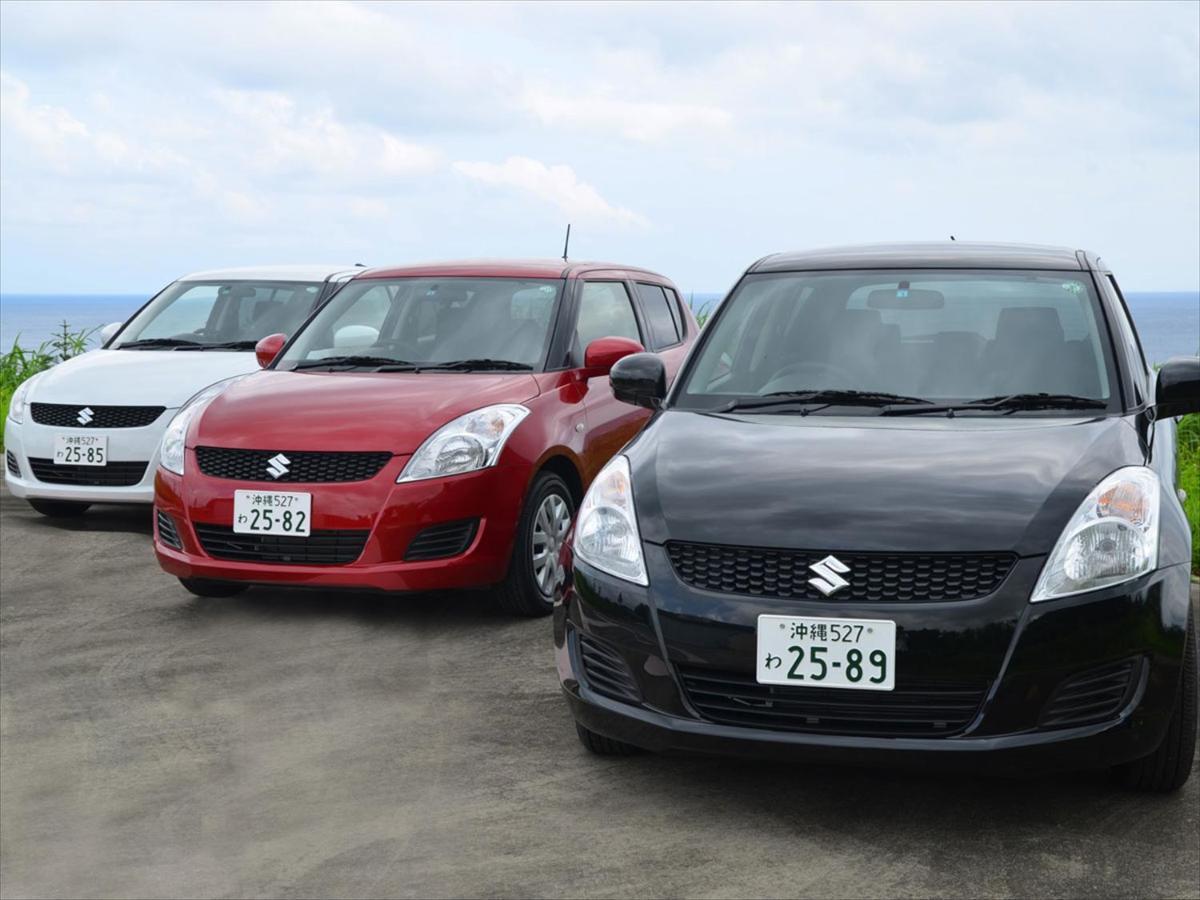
(567, 243)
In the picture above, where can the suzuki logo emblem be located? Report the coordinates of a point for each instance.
(277, 465)
(829, 578)
(85, 416)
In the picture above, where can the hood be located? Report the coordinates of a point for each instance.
(871, 484)
(138, 377)
(349, 410)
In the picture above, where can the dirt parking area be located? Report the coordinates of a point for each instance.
(325, 744)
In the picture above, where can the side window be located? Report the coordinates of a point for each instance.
(663, 321)
(604, 311)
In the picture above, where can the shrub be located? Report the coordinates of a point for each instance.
(1189, 479)
(19, 363)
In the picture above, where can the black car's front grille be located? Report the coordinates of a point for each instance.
(872, 577)
(1092, 696)
(913, 709)
(330, 548)
(441, 541)
(111, 474)
(167, 532)
(606, 672)
(10, 460)
(66, 415)
(290, 466)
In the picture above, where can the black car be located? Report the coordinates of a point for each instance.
(902, 503)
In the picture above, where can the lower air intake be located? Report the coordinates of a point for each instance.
(1095, 695)
(607, 672)
(913, 709)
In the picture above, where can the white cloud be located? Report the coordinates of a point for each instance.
(636, 120)
(557, 185)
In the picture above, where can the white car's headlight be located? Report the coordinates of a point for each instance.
(20, 397)
(1113, 537)
(173, 450)
(470, 442)
(606, 531)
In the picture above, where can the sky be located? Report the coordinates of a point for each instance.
(139, 142)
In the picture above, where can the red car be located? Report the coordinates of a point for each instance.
(431, 427)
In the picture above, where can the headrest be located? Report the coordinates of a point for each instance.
(1018, 324)
(866, 319)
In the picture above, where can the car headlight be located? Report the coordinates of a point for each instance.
(606, 531)
(172, 449)
(18, 401)
(468, 443)
(1113, 537)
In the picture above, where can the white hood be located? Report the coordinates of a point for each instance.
(138, 377)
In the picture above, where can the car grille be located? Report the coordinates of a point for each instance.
(10, 460)
(112, 474)
(913, 709)
(303, 466)
(1092, 696)
(330, 548)
(440, 541)
(167, 532)
(66, 415)
(607, 672)
(873, 577)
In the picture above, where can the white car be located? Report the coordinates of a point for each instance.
(87, 430)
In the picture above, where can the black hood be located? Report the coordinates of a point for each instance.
(872, 484)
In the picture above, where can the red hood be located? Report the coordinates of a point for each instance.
(349, 410)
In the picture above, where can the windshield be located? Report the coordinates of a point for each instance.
(480, 323)
(910, 337)
(211, 313)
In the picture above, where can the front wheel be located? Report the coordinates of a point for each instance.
(204, 587)
(59, 509)
(534, 572)
(1167, 768)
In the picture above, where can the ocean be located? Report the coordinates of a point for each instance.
(1169, 323)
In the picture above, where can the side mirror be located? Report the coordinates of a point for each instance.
(1178, 391)
(640, 379)
(109, 331)
(603, 353)
(268, 348)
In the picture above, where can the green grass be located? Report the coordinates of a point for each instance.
(1189, 479)
(19, 364)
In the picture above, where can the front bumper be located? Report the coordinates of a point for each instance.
(1026, 651)
(393, 514)
(29, 440)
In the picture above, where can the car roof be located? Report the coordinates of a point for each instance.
(501, 268)
(312, 272)
(930, 255)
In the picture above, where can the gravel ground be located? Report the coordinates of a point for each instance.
(322, 744)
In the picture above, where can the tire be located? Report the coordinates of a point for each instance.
(523, 593)
(604, 746)
(59, 509)
(1167, 768)
(203, 587)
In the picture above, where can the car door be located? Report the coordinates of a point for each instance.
(665, 323)
(605, 309)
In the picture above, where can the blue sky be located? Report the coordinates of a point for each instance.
(138, 142)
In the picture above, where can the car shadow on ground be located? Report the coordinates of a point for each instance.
(450, 609)
(110, 518)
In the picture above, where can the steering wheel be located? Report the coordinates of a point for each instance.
(785, 379)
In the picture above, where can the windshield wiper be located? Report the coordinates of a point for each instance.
(825, 397)
(1007, 402)
(381, 363)
(466, 365)
(223, 345)
(157, 343)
